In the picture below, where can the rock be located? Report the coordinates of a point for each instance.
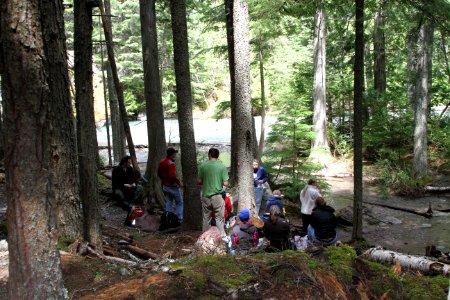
(211, 243)
(148, 222)
(124, 272)
(392, 220)
(345, 216)
(3, 245)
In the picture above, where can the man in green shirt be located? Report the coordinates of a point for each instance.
(212, 176)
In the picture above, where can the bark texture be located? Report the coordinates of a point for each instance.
(379, 53)
(357, 120)
(263, 102)
(230, 42)
(320, 103)
(241, 114)
(422, 98)
(34, 261)
(191, 196)
(152, 89)
(118, 133)
(86, 132)
(63, 144)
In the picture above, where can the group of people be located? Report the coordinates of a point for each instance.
(318, 218)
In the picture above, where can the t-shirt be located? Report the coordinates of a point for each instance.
(212, 173)
(308, 196)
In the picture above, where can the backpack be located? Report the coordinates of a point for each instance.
(169, 220)
(134, 212)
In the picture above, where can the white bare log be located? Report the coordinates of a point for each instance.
(417, 263)
(430, 188)
(112, 259)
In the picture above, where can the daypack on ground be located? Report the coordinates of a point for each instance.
(169, 220)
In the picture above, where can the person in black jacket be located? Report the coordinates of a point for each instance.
(322, 229)
(124, 184)
(276, 230)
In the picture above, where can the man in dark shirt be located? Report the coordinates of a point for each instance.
(322, 229)
(170, 183)
(276, 230)
(124, 185)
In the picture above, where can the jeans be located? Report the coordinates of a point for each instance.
(259, 193)
(312, 238)
(173, 193)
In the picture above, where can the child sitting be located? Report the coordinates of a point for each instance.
(274, 199)
(244, 235)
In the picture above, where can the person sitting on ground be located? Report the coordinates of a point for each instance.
(244, 235)
(274, 199)
(276, 230)
(124, 183)
(307, 197)
(322, 230)
(228, 212)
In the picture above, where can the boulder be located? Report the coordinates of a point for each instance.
(211, 243)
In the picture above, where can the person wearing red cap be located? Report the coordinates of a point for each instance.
(170, 183)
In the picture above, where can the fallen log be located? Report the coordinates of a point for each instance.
(437, 189)
(109, 251)
(416, 263)
(428, 214)
(111, 259)
(142, 252)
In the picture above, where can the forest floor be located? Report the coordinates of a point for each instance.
(336, 273)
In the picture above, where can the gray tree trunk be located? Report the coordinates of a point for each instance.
(230, 42)
(411, 45)
(422, 98)
(86, 131)
(118, 133)
(34, 261)
(241, 114)
(192, 204)
(367, 106)
(63, 145)
(263, 103)
(320, 104)
(379, 53)
(357, 120)
(152, 89)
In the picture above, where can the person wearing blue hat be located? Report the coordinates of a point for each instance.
(245, 235)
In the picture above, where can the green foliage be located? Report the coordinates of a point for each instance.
(340, 259)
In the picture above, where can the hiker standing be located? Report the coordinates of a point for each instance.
(124, 183)
(307, 197)
(170, 183)
(212, 176)
(260, 178)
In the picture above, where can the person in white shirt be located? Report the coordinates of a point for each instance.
(308, 197)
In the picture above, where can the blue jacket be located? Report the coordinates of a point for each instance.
(273, 200)
(261, 174)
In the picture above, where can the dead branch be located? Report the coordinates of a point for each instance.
(437, 189)
(417, 263)
(109, 251)
(428, 214)
(111, 259)
(142, 252)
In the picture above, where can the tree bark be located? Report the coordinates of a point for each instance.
(191, 195)
(152, 90)
(320, 140)
(263, 103)
(422, 98)
(379, 54)
(118, 133)
(230, 42)
(241, 115)
(411, 45)
(357, 120)
(119, 89)
(86, 132)
(34, 261)
(63, 144)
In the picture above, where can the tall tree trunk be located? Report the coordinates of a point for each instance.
(230, 42)
(320, 140)
(118, 132)
(422, 98)
(263, 103)
(379, 54)
(357, 120)
(63, 145)
(367, 106)
(192, 203)
(34, 261)
(119, 89)
(86, 132)
(241, 114)
(152, 90)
